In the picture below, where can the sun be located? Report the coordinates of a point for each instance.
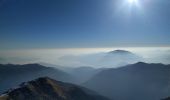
(132, 1)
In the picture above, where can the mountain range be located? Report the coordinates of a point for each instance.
(12, 75)
(139, 81)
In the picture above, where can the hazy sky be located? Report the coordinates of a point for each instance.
(83, 23)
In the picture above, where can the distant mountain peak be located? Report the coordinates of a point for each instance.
(120, 51)
(141, 63)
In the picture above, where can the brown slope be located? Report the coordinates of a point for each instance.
(49, 89)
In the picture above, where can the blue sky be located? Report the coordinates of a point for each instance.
(83, 23)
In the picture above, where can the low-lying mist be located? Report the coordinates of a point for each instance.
(95, 57)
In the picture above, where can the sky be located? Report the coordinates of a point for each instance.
(29, 24)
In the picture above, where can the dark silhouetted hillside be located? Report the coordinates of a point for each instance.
(48, 89)
(166, 98)
(140, 81)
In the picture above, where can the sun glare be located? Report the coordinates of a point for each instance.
(132, 1)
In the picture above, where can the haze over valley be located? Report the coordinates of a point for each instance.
(94, 57)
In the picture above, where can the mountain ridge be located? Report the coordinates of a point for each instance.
(140, 81)
(45, 88)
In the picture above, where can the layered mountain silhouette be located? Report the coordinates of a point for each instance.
(81, 74)
(48, 89)
(84, 73)
(12, 75)
(140, 81)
